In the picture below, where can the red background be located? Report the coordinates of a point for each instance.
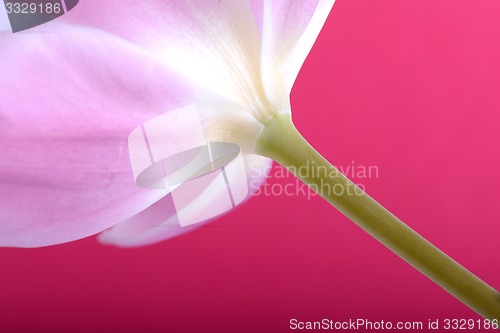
(409, 86)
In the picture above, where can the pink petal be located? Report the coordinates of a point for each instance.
(68, 103)
(213, 42)
(4, 20)
(160, 221)
(289, 30)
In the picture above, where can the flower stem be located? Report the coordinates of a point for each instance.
(283, 143)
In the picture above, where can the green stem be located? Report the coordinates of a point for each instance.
(283, 143)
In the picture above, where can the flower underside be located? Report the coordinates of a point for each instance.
(73, 101)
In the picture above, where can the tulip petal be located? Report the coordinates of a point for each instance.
(289, 30)
(160, 221)
(215, 43)
(69, 100)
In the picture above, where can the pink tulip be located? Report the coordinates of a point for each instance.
(74, 89)
(136, 117)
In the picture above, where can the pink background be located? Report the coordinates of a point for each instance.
(412, 87)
